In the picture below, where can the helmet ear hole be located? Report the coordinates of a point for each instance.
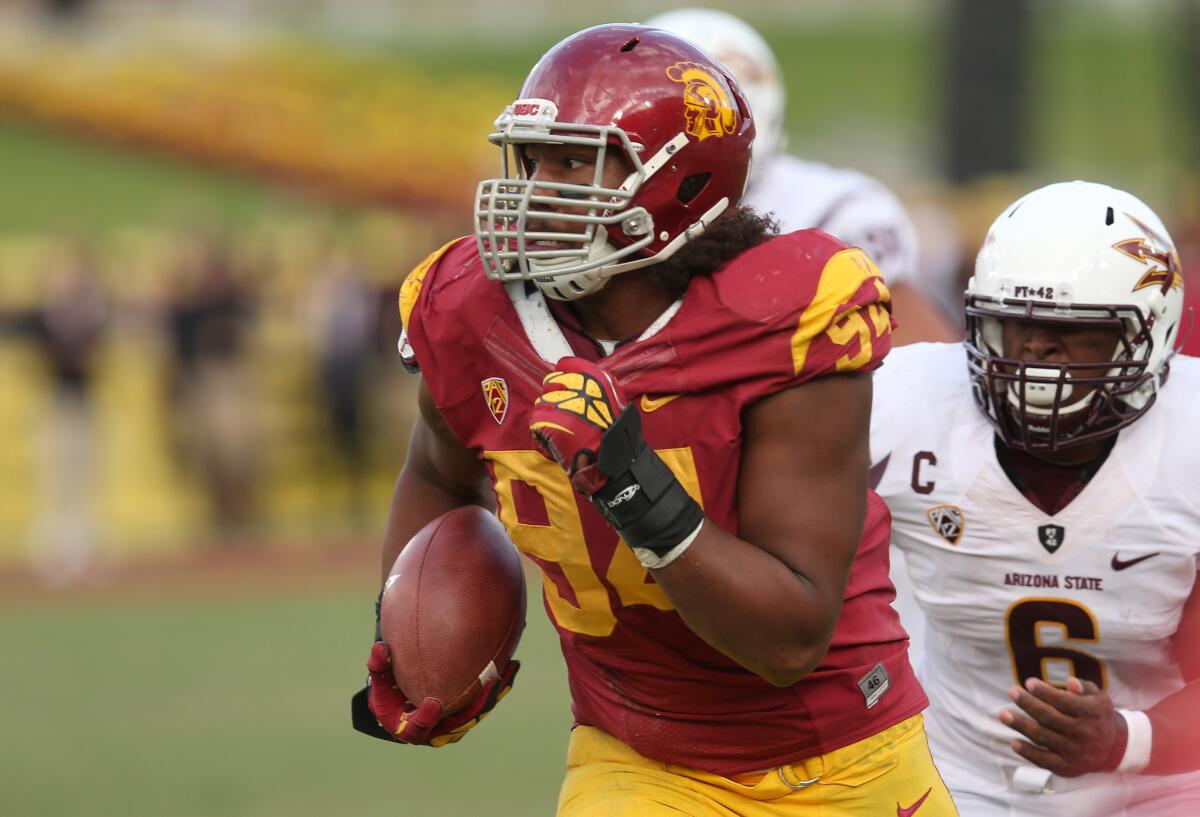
(692, 186)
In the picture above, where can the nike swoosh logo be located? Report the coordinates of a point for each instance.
(1120, 564)
(655, 403)
(901, 811)
(875, 476)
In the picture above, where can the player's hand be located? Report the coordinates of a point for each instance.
(1071, 731)
(579, 402)
(423, 724)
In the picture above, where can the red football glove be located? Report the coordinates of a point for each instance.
(424, 724)
(579, 402)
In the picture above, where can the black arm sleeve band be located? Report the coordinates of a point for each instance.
(363, 719)
(642, 499)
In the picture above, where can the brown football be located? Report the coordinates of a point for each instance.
(453, 607)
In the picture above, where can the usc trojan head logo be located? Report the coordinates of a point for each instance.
(495, 394)
(1146, 251)
(708, 109)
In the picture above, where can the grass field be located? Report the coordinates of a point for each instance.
(236, 705)
(56, 182)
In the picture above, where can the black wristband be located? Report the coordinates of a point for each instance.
(378, 605)
(642, 499)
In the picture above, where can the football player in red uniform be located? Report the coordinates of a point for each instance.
(667, 405)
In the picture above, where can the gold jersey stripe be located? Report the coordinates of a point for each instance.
(841, 278)
(411, 288)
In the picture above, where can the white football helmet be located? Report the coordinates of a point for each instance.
(1080, 253)
(751, 62)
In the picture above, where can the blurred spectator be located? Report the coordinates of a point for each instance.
(1187, 76)
(69, 329)
(345, 317)
(989, 47)
(65, 9)
(210, 319)
(1189, 254)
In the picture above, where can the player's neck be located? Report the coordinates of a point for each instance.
(1079, 455)
(623, 309)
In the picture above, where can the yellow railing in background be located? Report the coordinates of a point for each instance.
(142, 492)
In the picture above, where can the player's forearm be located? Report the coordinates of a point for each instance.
(1174, 721)
(417, 501)
(439, 475)
(751, 606)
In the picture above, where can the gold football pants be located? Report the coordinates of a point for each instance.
(888, 773)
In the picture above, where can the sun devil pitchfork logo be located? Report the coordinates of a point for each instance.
(495, 394)
(708, 110)
(1164, 263)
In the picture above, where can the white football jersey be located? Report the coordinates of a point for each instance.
(1007, 591)
(847, 204)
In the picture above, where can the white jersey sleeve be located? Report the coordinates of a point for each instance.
(849, 205)
(1010, 592)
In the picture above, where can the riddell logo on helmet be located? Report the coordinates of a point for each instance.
(708, 110)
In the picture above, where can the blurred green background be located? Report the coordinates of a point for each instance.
(188, 541)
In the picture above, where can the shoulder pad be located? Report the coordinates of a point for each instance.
(778, 277)
(850, 307)
(410, 290)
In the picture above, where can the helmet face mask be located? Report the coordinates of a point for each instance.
(1058, 260)
(651, 99)
(510, 208)
(1036, 405)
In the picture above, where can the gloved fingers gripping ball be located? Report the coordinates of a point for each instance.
(453, 727)
(361, 717)
(450, 618)
(424, 723)
(579, 402)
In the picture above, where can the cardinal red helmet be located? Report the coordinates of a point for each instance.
(674, 113)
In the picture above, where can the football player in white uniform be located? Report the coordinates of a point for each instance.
(800, 194)
(1045, 487)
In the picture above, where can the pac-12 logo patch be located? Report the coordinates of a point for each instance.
(947, 520)
(1051, 536)
(495, 394)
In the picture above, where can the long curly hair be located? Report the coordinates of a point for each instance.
(731, 234)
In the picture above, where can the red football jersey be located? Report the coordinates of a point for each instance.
(797, 307)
